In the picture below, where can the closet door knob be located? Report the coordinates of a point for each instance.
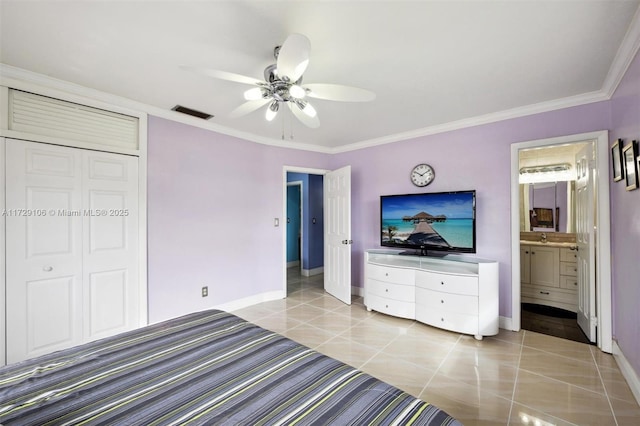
(47, 268)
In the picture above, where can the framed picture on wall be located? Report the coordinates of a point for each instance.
(629, 155)
(616, 157)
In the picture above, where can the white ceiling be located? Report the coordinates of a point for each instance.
(434, 65)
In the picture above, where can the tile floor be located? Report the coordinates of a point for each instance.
(509, 379)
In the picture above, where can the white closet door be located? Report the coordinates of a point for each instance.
(72, 247)
(110, 261)
(44, 249)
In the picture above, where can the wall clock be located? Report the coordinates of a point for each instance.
(422, 175)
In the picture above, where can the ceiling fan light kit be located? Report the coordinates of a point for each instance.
(283, 84)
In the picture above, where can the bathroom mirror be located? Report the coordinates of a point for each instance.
(547, 207)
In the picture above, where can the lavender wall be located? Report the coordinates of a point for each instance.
(473, 158)
(212, 200)
(625, 222)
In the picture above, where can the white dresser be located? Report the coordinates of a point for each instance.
(455, 292)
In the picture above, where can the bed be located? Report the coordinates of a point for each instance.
(208, 367)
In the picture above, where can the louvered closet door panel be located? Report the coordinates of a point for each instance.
(110, 243)
(44, 248)
(46, 116)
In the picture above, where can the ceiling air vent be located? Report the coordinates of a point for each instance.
(192, 112)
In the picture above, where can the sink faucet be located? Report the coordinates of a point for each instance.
(543, 237)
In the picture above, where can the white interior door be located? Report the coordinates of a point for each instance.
(585, 240)
(337, 234)
(44, 249)
(72, 247)
(110, 248)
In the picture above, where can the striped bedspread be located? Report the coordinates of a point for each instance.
(209, 368)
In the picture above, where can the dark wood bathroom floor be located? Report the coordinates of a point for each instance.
(551, 321)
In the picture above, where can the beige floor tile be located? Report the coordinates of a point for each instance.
(565, 401)
(326, 302)
(616, 385)
(355, 311)
(558, 346)
(309, 335)
(466, 403)
(334, 322)
(347, 351)
(515, 337)
(421, 352)
(305, 312)
(277, 322)
(372, 335)
(527, 416)
(494, 374)
(254, 313)
(627, 413)
(405, 375)
(572, 371)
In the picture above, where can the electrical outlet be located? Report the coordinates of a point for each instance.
(205, 291)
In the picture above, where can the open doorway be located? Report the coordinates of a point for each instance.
(304, 234)
(601, 287)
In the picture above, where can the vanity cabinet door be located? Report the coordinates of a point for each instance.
(545, 266)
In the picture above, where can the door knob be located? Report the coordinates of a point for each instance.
(47, 268)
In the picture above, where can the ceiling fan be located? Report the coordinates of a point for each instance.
(283, 85)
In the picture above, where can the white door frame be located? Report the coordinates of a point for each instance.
(302, 236)
(603, 231)
(285, 170)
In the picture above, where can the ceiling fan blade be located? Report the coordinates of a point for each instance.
(223, 75)
(338, 92)
(248, 107)
(293, 57)
(312, 122)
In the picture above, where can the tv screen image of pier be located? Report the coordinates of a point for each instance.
(443, 220)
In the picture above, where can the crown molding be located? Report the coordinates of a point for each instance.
(524, 111)
(624, 56)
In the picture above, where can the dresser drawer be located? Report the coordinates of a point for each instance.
(568, 282)
(391, 275)
(399, 292)
(391, 307)
(467, 324)
(569, 268)
(456, 284)
(462, 304)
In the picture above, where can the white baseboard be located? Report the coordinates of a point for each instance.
(357, 291)
(505, 323)
(630, 375)
(312, 272)
(251, 300)
(293, 263)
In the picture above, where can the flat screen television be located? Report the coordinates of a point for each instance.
(441, 222)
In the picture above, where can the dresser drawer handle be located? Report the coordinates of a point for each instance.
(386, 290)
(441, 301)
(544, 292)
(442, 319)
(386, 306)
(442, 282)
